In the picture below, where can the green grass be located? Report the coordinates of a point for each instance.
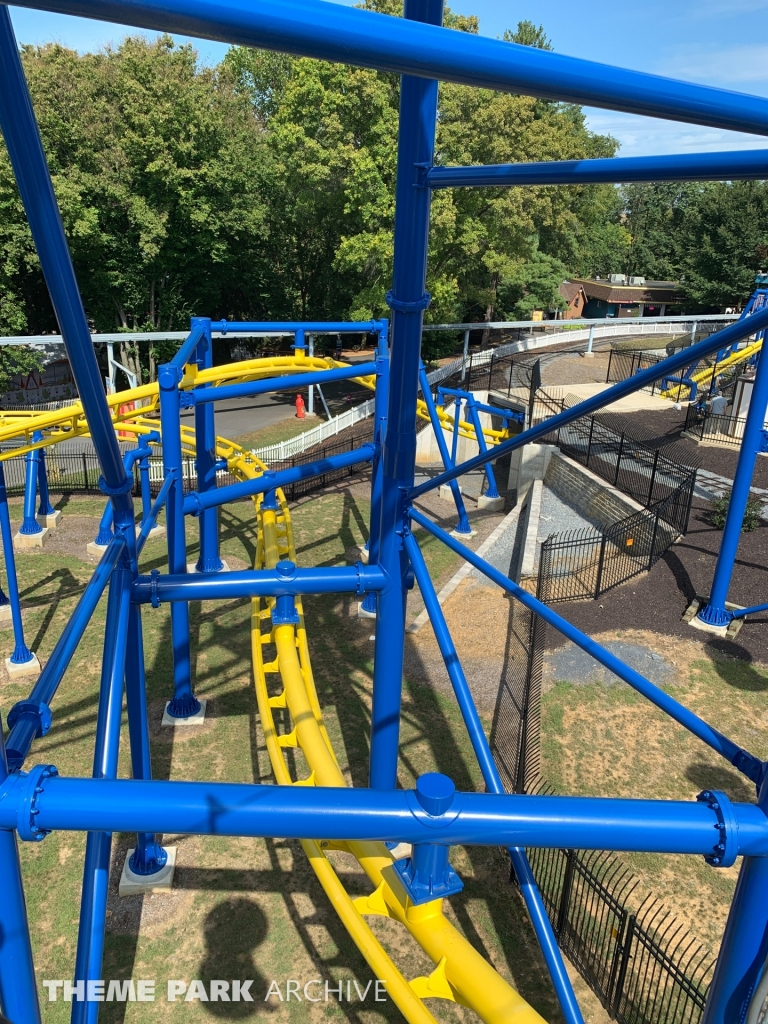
(609, 741)
(245, 908)
(276, 432)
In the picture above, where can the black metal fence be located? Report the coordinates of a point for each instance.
(720, 430)
(316, 454)
(582, 564)
(68, 473)
(646, 474)
(622, 365)
(643, 965)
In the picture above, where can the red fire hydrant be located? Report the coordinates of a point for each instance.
(300, 414)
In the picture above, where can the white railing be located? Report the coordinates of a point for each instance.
(297, 445)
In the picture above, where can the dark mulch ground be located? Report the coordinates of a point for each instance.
(657, 599)
(664, 428)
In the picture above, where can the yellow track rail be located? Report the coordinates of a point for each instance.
(283, 680)
(705, 376)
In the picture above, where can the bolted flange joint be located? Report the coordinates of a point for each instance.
(724, 851)
(33, 786)
(36, 710)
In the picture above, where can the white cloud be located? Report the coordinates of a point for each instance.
(733, 67)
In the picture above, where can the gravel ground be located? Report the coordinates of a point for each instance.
(557, 516)
(571, 664)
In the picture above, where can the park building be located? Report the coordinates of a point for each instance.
(621, 296)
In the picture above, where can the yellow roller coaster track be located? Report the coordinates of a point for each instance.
(283, 680)
(704, 376)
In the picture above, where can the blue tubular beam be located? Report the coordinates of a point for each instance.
(733, 166)
(354, 579)
(493, 490)
(747, 763)
(25, 150)
(148, 857)
(30, 525)
(29, 718)
(205, 457)
(528, 886)
(154, 512)
(194, 503)
(377, 483)
(184, 703)
(367, 39)
(93, 905)
(294, 812)
(408, 299)
(265, 387)
(291, 326)
(21, 653)
(463, 523)
(728, 336)
(45, 508)
(18, 984)
(714, 613)
(741, 612)
(185, 353)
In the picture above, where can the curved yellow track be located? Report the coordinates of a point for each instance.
(283, 680)
(705, 376)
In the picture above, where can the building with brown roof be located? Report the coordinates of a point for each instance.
(619, 296)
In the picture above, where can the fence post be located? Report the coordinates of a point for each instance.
(626, 956)
(490, 371)
(85, 472)
(618, 461)
(565, 895)
(589, 442)
(600, 563)
(653, 476)
(691, 489)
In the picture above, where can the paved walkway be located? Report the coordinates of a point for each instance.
(711, 485)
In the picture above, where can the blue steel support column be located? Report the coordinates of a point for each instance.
(149, 856)
(30, 525)
(18, 985)
(93, 905)
(715, 613)
(462, 526)
(184, 702)
(493, 491)
(45, 508)
(205, 454)
(25, 150)
(408, 300)
(377, 479)
(21, 653)
(743, 957)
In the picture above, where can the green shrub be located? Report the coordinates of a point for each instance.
(719, 510)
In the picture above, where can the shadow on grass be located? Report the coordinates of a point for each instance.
(709, 776)
(736, 669)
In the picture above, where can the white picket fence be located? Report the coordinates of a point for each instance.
(300, 443)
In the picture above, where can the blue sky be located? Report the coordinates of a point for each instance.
(716, 42)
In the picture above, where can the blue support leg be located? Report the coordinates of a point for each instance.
(93, 906)
(18, 985)
(104, 535)
(30, 525)
(715, 613)
(743, 957)
(205, 449)
(146, 493)
(380, 424)
(184, 703)
(21, 653)
(408, 300)
(149, 857)
(45, 508)
(462, 527)
(492, 490)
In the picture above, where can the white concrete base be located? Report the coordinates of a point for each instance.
(362, 613)
(29, 668)
(162, 880)
(5, 613)
(181, 723)
(490, 504)
(463, 536)
(155, 533)
(588, 355)
(729, 630)
(192, 566)
(95, 550)
(27, 541)
(364, 555)
(444, 491)
(50, 521)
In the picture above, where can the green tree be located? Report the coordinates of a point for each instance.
(17, 360)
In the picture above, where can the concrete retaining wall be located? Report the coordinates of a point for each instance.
(587, 492)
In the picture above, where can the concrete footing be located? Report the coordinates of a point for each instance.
(28, 541)
(463, 536)
(95, 550)
(363, 555)
(5, 613)
(27, 668)
(362, 613)
(181, 723)
(50, 521)
(132, 884)
(444, 491)
(730, 630)
(490, 504)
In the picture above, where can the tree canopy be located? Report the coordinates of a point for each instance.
(264, 188)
